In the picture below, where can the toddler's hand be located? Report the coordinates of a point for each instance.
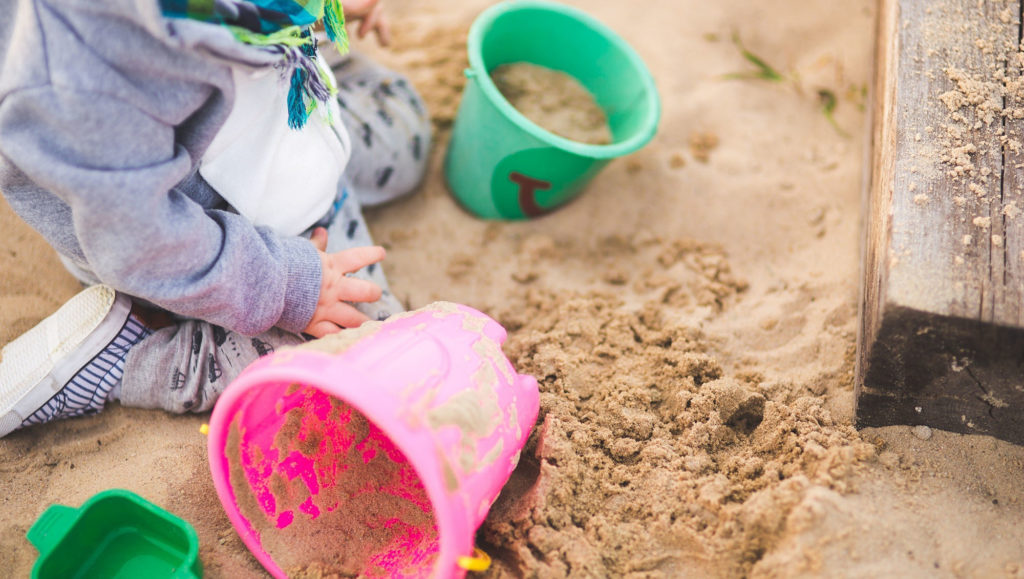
(336, 288)
(371, 17)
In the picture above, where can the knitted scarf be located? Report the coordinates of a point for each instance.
(282, 27)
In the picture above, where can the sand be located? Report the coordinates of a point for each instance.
(378, 505)
(691, 319)
(553, 100)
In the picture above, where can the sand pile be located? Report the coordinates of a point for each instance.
(433, 56)
(649, 453)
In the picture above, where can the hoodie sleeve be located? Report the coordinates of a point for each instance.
(116, 167)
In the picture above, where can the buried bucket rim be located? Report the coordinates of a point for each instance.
(271, 371)
(478, 71)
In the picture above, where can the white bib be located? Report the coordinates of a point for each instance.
(272, 174)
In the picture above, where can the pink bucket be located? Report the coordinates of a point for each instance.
(380, 460)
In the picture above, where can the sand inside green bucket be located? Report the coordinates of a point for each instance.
(553, 100)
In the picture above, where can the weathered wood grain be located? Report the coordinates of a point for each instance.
(941, 340)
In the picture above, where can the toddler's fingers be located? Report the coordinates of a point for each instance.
(365, 25)
(344, 315)
(357, 258)
(322, 328)
(371, 21)
(383, 30)
(360, 290)
(319, 238)
(356, 9)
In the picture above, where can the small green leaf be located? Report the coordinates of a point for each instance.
(764, 70)
(828, 100)
(828, 106)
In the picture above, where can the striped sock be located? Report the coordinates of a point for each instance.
(90, 388)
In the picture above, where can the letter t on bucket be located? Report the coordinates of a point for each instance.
(376, 452)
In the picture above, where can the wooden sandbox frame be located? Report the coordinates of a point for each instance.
(941, 337)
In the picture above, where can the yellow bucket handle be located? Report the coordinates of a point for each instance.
(480, 561)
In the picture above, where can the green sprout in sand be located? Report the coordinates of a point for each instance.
(828, 106)
(764, 71)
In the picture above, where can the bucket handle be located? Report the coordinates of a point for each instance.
(469, 73)
(480, 561)
(50, 527)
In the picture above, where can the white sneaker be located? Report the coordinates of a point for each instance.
(36, 369)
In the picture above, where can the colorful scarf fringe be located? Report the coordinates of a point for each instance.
(283, 27)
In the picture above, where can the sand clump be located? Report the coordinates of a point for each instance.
(434, 58)
(648, 454)
(701, 145)
(553, 100)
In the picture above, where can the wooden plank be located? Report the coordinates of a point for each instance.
(941, 340)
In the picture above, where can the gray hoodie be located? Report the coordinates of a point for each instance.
(106, 108)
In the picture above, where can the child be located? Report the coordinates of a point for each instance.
(196, 165)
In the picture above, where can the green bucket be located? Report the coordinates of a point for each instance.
(114, 534)
(499, 164)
